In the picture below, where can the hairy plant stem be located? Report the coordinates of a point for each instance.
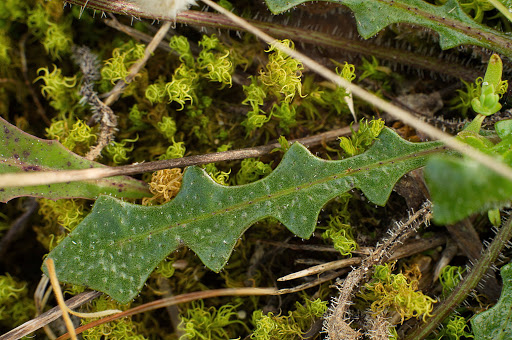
(342, 42)
(335, 323)
(467, 285)
(485, 38)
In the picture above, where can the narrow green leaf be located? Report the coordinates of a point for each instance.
(461, 187)
(119, 244)
(449, 20)
(21, 152)
(496, 323)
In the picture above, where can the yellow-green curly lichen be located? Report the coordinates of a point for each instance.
(167, 127)
(116, 68)
(118, 151)
(59, 217)
(336, 96)
(124, 328)
(136, 116)
(55, 36)
(78, 138)
(180, 90)
(255, 95)
(286, 113)
(281, 78)
(219, 176)
(341, 235)
(252, 170)
(454, 328)
(12, 10)
(215, 60)
(165, 268)
(291, 327)
(16, 306)
(67, 213)
(397, 292)
(363, 138)
(282, 74)
(450, 277)
(205, 323)
(181, 45)
(58, 89)
(175, 150)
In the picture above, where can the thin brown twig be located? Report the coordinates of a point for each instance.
(318, 281)
(18, 227)
(41, 296)
(134, 33)
(24, 71)
(406, 250)
(306, 247)
(183, 298)
(48, 316)
(104, 114)
(135, 68)
(322, 268)
(49, 177)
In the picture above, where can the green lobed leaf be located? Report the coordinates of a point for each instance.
(461, 187)
(496, 323)
(21, 152)
(449, 20)
(119, 244)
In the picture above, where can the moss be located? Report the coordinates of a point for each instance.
(251, 170)
(124, 56)
(363, 138)
(119, 329)
(58, 218)
(290, 327)
(165, 185)
(60, 90)
(204, 323)
(16, 305)
(397, 292)
(341, 235)
(450, 277)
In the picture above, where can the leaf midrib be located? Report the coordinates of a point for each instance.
(280, 193)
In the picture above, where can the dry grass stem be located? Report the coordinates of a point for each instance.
(406, 117)
(170, 301)
(50, 177)
(53, 314)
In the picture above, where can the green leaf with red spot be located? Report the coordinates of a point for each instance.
(21, 152)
